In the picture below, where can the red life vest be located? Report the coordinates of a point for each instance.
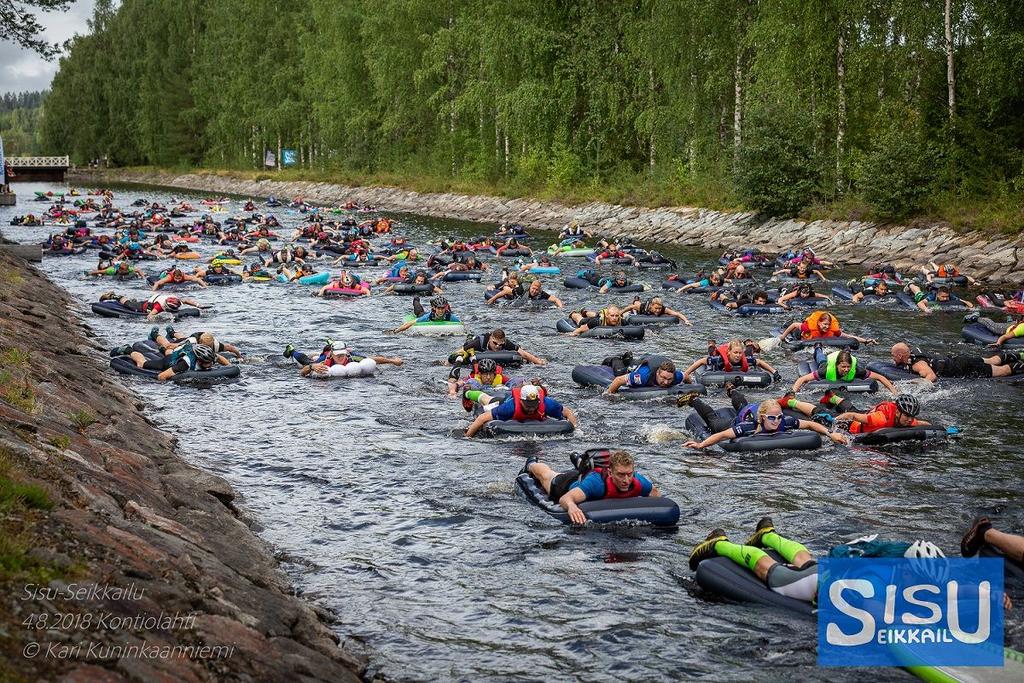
(520, 414)
(723, 352)
(611, 491)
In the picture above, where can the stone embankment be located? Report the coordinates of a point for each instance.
(853, 243)
(120, 561)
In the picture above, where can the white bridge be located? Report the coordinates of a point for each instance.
(25, 169)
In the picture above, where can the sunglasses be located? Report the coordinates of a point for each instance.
(773, 418)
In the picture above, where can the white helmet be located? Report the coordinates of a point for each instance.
(924, 550)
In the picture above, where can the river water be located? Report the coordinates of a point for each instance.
(414, 536)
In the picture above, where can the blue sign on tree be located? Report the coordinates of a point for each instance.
(288, 157)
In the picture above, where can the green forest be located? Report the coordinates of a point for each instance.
(873, 108)
(20, 119)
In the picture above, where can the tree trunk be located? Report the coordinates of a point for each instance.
(279, 151)
(840, 109)
(653, 100)
(506, 154)
(950, 76)
(737, 113)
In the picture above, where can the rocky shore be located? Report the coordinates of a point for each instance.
(120, 561)
(996, 257)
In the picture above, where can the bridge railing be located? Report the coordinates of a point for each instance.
(38, 162)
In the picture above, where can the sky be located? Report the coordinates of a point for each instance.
(25, 70)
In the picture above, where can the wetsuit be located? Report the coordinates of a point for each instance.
(594, 485)
(480, 342)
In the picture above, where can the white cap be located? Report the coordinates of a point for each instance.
(529, 392)
(340, 347)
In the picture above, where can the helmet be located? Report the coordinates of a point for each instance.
(339, 347)
(487, 365)
(172, 303)
(908, 405)
(204, 353)
(439, 302)
(924, 550)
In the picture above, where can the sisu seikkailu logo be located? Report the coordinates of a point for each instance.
(910, 612)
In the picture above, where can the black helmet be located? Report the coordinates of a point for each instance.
(204, 353)
(487, 365)
(908, 405)
(439, 302)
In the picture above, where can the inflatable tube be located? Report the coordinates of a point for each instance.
(674, 285)
(660, 511)
(650, 320)
(881, 437)
(171, 286)
(576, 283)
(747, 310)
(618, 261)
(651, 265)
(503, 358)
(602, 376)
(622, 331)
(410, 288)
(545, 270)
(463, 276)
(854, 386)
(315, 279)
(222, 279)
(437, 328)
(186, 256)
(545, 427)
(754, 378)
(525, 303)
(515, 252)
(890, 371)
(722, 576)
(1011, 569)
(809, 302)
(842, 293)
(976, 333)
(555, 251)
(112, 309)
(951, 305)
(337, 292)
(628, 289)
(959, 280)
(367, 367)
(832, 342)
(225, 262)
(125, 366)
(796, 440)
(790, 281)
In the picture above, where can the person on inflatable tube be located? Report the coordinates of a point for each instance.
(934, 298)
(840, 366)
(440, 311)
(797, 577)
(587, 320)
(820, 325)
(653, 371)
(170, 340)
(333, 353)
(188, 357)
(879, 289)
(803, 291)
(733, 299)
(947, 271)
(216, 268)
(733, 356)
(612, 251)
(122, 271)
(509, 288)
(900, 412)
(961, 365)
(802, 270)
(654, 307)
(591, 481)
(497, 340)
(525, 403)
(715, 279)
(485, 375)
(153, 306)
(536, 292)
(764, 417)
(1015, 329)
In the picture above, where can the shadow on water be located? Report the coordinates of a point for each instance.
(417, 538)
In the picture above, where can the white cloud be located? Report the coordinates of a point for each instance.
(24, 69)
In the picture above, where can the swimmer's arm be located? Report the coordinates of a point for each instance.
(478, 423)
(677, 314)
(885, 381)
(802, 380)
(530, 358)
(693, 366)
(815, 427)
(924, 370)
(570, 503)
(618, 383)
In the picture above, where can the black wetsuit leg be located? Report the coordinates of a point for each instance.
(739, 401)
(712, 420)
(417, 307)
(962, 365)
